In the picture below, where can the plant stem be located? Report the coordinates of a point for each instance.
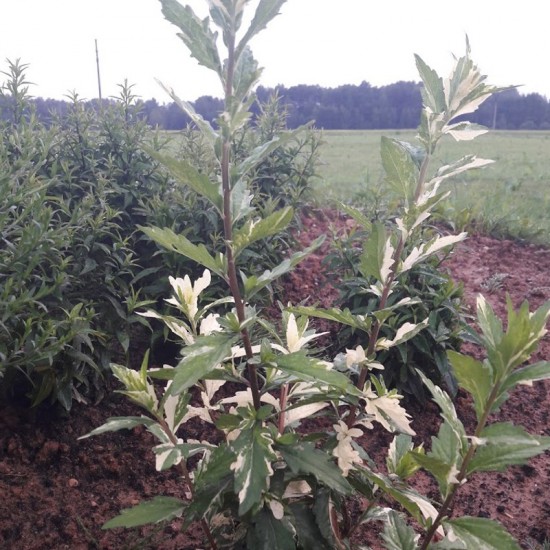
(373, 337)
(283, 395)
(228, 230)
(463, 468)
(189, 482)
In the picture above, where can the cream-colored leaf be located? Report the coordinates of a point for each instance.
(387, 411)
(387, 262)
(305, 411)
(210, 324)
(297, 489)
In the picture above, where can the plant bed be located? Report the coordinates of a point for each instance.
(58, 491)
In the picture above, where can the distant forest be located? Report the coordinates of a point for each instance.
(348, 107)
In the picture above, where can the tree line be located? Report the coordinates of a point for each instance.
(347, 107)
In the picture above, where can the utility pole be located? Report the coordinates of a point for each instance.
(98, 74)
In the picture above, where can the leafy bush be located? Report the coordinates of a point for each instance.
(68, 195)
(437, 298)
(265, 482)
(92, 180)
(45, 341)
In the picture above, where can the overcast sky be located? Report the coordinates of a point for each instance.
(325, 42)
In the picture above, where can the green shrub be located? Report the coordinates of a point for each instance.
(68, 194)
(93, 179)
(438, 299)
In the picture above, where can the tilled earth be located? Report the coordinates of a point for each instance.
(57, 491)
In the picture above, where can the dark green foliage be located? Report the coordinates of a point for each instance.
(74, 268)
(68, 197)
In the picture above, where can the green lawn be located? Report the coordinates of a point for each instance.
(508, 198)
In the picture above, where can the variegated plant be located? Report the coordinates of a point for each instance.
(268, 481)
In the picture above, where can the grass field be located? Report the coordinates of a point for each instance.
(510, 198)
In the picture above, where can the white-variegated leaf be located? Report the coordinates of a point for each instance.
(387, 411)
(252, 468)
(481, 534)
(405, 332)
(398, 535)
(468, 162)
(503, 445)
(419, 254)
(152, 511)
(433, 92)
(464, 131)
(120, 423)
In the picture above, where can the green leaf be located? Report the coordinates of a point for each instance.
(269, 533)
(265, 12)
(504, 445)
(377, 256)
(310, 369)
(241, 199)
(307, 530)
(195, 34)
(446, 544)
(439, 468)
(401, 170)
(357, 215)
(399, 461)
(253, 231)
(187, 174)
(433, 92)
(252, 285)
(490, 324)
(120, 423)
(397, 534)
(344, 317)
(212, 480)
(182, 245)
(505, 351)
(482, 534)
(304, 458)
(418, 506)
(204, 126)
(448, 411)
(246, 75)
(199, 359)
(152, 511)
(254, 453)
(528, 375)
(474, 376)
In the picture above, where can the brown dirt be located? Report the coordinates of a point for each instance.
(58, 491)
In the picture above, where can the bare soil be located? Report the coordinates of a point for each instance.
(56, 491)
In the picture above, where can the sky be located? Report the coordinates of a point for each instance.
(324, 42)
